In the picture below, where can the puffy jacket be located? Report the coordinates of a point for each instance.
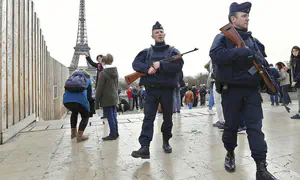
(80, 97)
(189, 97)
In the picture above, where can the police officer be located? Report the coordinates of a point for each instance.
(240, 90)
(160, 82)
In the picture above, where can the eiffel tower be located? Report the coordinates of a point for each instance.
(82, 42)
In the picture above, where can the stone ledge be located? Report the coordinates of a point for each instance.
(15, 129)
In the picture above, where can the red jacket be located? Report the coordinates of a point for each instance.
(129, 94)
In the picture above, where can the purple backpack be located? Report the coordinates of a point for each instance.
(75, 83)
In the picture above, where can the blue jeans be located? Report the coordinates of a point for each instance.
(274, 99)
(211, 98)
(190, 105)
(111, 115)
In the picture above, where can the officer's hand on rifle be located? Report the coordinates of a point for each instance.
(156, 65)
(244, 52)
(151, 70)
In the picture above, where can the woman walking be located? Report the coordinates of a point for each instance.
(107, 95)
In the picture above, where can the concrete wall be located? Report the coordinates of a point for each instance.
(29, 75)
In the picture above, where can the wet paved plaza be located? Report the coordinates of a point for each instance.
(45, 150)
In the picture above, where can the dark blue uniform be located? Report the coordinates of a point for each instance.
(242, 99)
(159, 89)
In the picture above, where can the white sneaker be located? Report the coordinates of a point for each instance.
(211, 112)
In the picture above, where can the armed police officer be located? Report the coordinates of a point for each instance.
(240, 89)
(160, 82)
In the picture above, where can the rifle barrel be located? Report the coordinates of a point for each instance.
(196, 49)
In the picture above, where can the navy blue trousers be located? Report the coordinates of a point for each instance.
(244, 103)
(111, 115)
(164, 96)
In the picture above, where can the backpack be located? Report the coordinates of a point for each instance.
(75, 83)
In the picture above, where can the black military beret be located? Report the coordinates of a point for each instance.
(157, 25)
(243, 7)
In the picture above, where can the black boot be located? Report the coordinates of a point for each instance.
(109, 138)
(143, 153)
(166, 146)
(229, 162)
(261, 171)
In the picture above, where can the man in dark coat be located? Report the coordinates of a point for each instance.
(240, 89)
(160, 81)
(275, 75)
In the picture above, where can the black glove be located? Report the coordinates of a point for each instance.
(245, 58)
(244, 52)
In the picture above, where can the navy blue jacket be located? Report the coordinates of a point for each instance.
(181, 81)
(275, 73)
(231, 64)
(166, 76)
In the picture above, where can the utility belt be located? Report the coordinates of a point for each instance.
(223, 88)
(157, 87)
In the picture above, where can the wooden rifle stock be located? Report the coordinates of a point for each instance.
(134, 76)
(235, 37)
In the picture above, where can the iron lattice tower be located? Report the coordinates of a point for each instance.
(82, 40)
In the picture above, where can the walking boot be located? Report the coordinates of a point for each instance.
(143, 153)
(166, 146)
(81, 137)
(229, 162)
(109, 138)
(261, 171)
(73, 133)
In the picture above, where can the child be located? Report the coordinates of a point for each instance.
(189, 98)
(107, 95)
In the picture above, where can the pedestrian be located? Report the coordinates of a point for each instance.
(78, 103)
(295, 67)
(284, 82)
(189, 98)
(107, 95)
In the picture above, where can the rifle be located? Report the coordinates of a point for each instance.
(134, 76)
(271, 84)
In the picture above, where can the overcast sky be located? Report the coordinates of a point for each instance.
(123, 28)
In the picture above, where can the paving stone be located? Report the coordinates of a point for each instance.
(47, 152)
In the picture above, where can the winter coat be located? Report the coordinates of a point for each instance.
(203, 92)
(295, 67)
(166, 75)
(107, 88)
(129, 94)
(188, 97)
(284, 78)
(134, 93)
(80, 97)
